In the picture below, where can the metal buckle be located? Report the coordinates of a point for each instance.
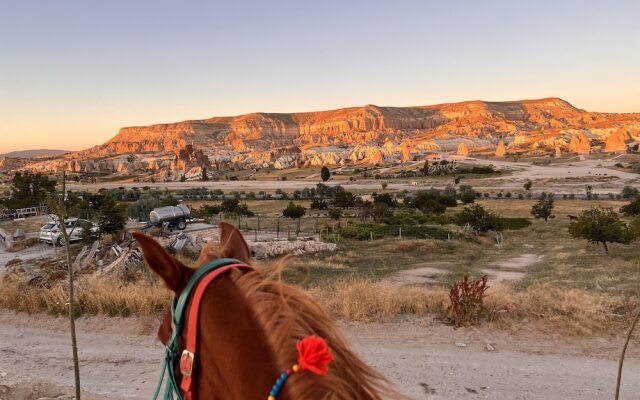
(186, 363)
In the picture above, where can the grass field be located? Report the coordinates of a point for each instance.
(569, 280)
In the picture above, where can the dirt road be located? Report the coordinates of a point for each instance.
(426, 361)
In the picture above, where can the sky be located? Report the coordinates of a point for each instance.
(73, 72)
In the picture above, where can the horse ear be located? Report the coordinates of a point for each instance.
(233, 243)
(173, 272)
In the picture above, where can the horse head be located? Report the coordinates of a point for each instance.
(250, 329)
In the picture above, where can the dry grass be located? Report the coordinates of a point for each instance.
(93, 296)
(23, 244)
(365, 300)
(573, 311)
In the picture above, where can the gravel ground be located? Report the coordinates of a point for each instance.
(425, 360)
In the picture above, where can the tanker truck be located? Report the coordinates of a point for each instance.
(171, 216)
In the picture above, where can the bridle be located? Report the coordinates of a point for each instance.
(198, 283)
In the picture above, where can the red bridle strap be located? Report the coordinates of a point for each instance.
(187, 359)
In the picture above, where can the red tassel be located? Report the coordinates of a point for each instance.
(314, 355)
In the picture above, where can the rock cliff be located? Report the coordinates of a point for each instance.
(369, 134)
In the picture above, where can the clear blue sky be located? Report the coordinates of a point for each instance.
(73, 72)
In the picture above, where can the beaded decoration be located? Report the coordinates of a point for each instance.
(313, 356)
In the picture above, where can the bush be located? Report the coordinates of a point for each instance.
(544, 207)
(418, 218)
(513, 223)
(467, 301)
(633, 208)
(385, 198)
(432, 201)
(318, 205)
(293, 211)
(479, 219)
(467, 196)
(365, 231)
(335, 213)
(629, 192)
(141, 208)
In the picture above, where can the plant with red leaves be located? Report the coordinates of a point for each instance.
(467, 301)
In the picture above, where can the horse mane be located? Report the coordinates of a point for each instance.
(287, 315)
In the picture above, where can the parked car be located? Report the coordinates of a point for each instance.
(52, 234)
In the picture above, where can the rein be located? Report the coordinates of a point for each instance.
(199, 282)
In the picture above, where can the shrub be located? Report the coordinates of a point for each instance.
(365, 231)
(467, 301)
(629, 192)
(513, 223)
(633, 208)
(141, 208)
(478, 218)
(335, 213)
(293, 211)
(432, 201)
(467, 196)
(319, 205)
(385, 198)
(544, 207)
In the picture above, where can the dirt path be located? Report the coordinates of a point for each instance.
(427, 361)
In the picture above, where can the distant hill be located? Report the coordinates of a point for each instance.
(364, 135)
(38, 153)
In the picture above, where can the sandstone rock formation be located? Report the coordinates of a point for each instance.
(617, 142)
(501, 150)
(463, 150)
(358, 135)
(579, 144)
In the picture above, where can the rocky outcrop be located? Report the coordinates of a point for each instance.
(579, 144)
(368, 135)
(617, 142)
(501, 150)
(463, 150)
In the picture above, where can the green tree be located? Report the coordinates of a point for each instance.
(633, 208)
(432, 201)
(425, 168)
(29, 189)
(335, 213)
(169, 201)
(318, 204)
(294, 211)
(629, 192)
(325, 174)
(112, 218)
(478, 218)
(467, 194)
(544, 207)
(527, 185)
(343, 198)
(204, 174)
(600, 225)
(385, 198)
(141, 208)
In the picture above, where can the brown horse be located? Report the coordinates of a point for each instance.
(248, 330)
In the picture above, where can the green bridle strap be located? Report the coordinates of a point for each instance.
(178, 308)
